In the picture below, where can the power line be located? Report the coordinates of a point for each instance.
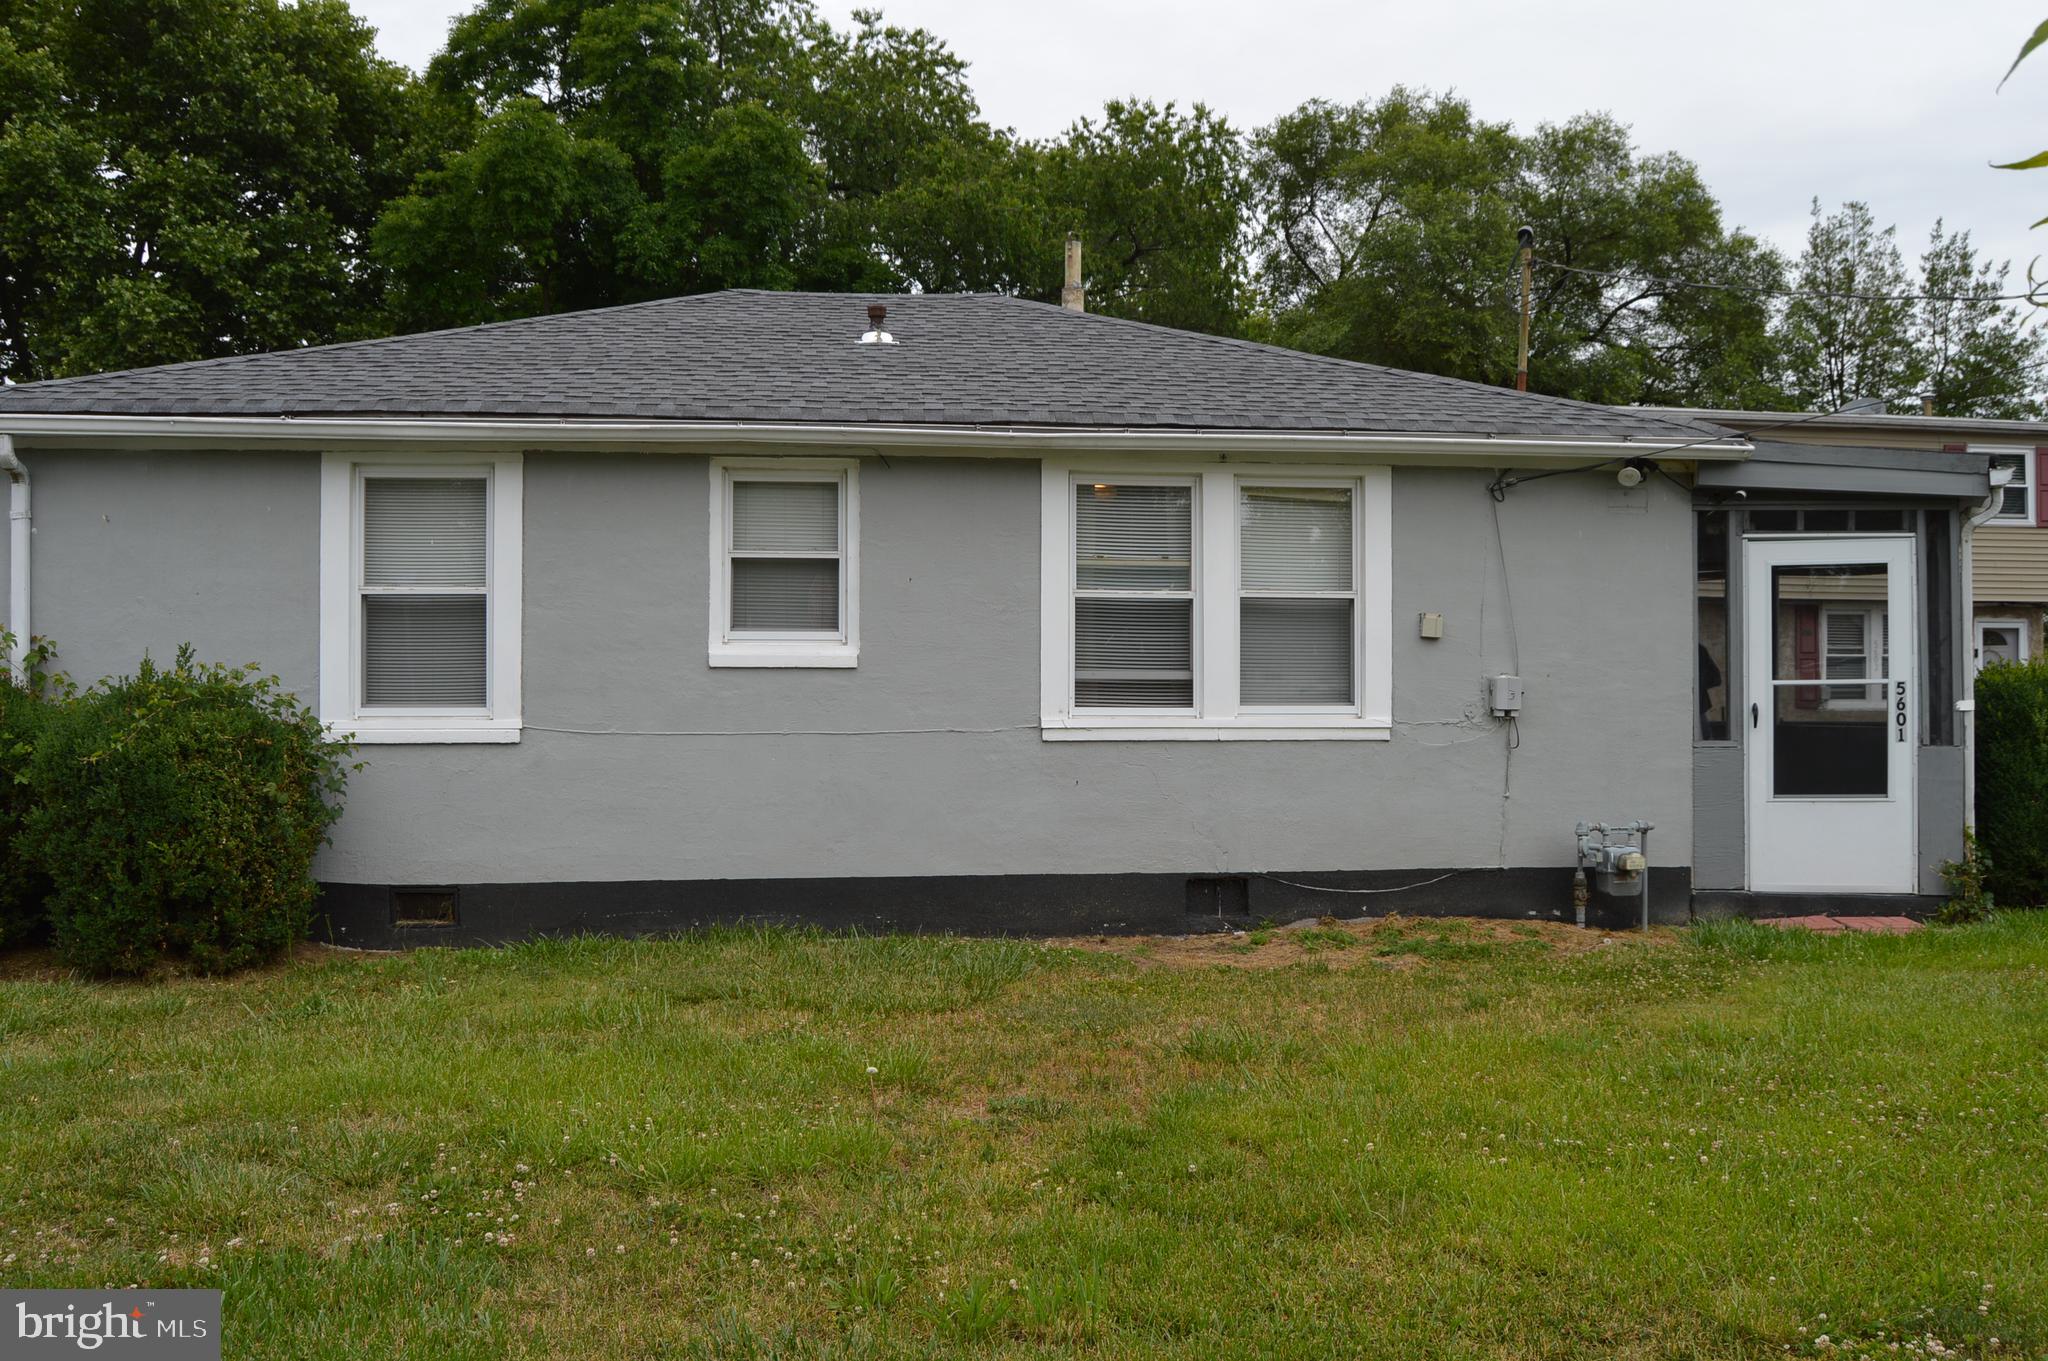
(1747, 291)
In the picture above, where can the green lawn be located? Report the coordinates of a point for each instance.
(1404, 1140)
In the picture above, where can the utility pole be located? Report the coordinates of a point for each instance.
(1073, 296)
(1526, 236)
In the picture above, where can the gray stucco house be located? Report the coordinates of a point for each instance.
(998, 616)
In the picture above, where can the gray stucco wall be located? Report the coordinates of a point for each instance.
(147, 551)
(142, 552)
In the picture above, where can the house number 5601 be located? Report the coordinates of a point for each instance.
(1899, 714)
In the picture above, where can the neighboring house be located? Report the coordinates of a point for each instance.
(1026, 620)
(2009, 576)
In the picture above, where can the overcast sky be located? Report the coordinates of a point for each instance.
(1889, 101)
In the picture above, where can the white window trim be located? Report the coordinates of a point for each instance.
(2027, 470)
(1217, 715)
(1873, 633)
(840, 649)
(2019, 628)
(341, 538)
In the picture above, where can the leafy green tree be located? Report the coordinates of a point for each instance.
(189, 178)
(1388, 233)
(973, 216)
(1976, 355)
(1625, 329)
(671, 146)
(1848, 330)
(1159, 198)
(883, 97)
(527, 220)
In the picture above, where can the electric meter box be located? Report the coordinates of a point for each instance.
(1504, 695)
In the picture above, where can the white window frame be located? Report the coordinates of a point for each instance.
(1875, 631)
(2019, 628)
(2023, 481)
(1217, 715)
(498, 720)
(840, 648)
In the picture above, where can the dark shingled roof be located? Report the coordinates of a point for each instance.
(746, 355)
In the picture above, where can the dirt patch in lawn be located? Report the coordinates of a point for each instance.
(1390, 942)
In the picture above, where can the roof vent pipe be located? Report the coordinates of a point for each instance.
(1073, 297)
(875, 335)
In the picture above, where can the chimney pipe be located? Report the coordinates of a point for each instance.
(1073, 297)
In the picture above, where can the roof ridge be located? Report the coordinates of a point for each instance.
(1282, 351)
(367, 342)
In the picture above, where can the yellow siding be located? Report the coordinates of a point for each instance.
(2011, 564)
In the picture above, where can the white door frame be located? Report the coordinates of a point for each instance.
(2019, 628)
(1831, 843)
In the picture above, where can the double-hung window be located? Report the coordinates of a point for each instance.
(784, 563)
(420, 599)
(1215, 603)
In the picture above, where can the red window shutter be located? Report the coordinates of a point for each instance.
(2040, 470)
(1806, 653)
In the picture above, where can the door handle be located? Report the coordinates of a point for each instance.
(1752, 714)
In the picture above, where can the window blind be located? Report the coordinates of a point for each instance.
(785, 595)
(1133, 538)
(1295, 619)
(1296, 538)
(1294, 651)
(424, 651)
(1134, 653)
(1134, 608)
(785, 565)
(425, 608)
(423, 531)
(785, 517)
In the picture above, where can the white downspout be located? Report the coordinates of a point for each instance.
(19, 527)
(1967, 706)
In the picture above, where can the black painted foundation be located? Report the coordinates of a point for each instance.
(369, 915)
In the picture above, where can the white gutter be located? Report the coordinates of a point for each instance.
(19, 527)
(940, 439)
(1967, 707)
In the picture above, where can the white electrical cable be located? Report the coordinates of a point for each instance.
(1325, 888)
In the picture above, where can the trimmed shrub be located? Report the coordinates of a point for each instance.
(23, 885)
(2012, 780)
(177, 814)
(25, 711)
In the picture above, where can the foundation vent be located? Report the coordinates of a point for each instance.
(422, 907)
(1228, 896)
